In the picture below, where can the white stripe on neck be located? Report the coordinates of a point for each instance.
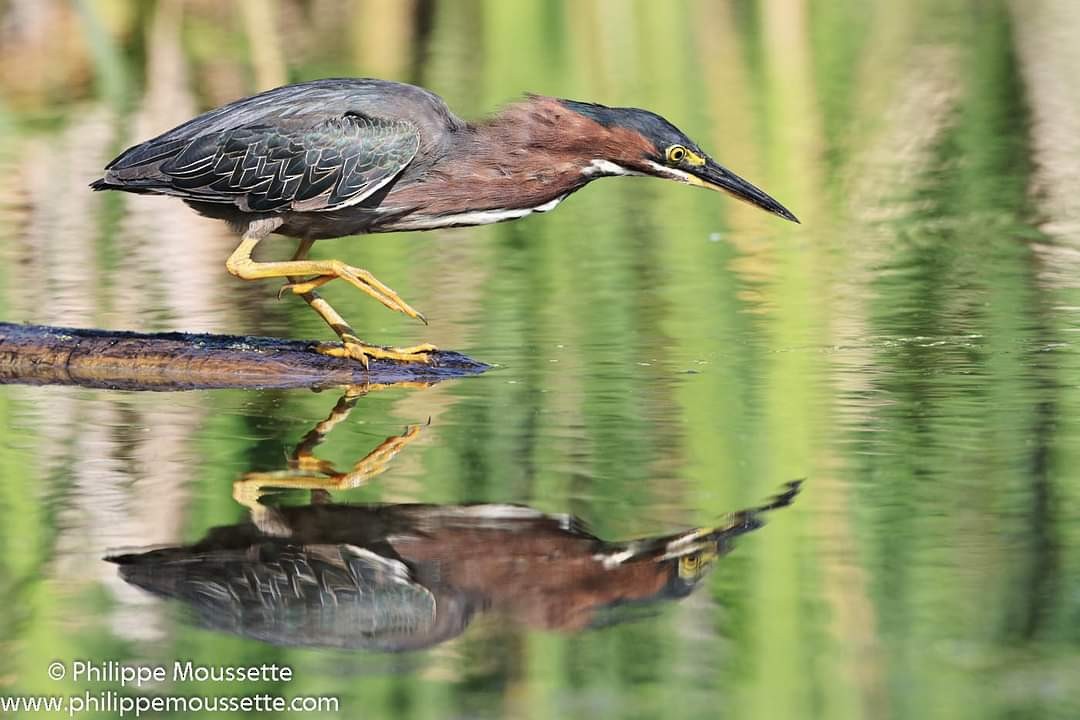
(605, 167)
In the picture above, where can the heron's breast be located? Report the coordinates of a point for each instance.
(479, 196)
(421, 220)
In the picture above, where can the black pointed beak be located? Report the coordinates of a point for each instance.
(717, 177)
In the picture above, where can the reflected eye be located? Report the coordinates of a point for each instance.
(689, 565)
(676, 154)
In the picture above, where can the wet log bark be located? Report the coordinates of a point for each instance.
(41, 355)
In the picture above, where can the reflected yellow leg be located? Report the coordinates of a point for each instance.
(241, 264)
(307, 472)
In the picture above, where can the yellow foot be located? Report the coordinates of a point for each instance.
(353, 347)
(359, 278)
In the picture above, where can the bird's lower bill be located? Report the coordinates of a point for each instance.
(713, 176)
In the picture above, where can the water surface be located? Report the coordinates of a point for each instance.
(663, 357)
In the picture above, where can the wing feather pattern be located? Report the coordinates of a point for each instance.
(273, 168)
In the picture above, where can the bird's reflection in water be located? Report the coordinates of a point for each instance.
(408, 576)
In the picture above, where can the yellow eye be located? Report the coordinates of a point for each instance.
(675, 154)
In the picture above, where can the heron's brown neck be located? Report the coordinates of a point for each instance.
(525, 159)
(525, 134)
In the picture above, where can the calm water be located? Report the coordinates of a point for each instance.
(663, 358)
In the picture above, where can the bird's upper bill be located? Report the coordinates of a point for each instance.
(710, 174)
(648, 144)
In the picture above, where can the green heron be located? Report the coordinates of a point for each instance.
(408, 576)
(339, 157)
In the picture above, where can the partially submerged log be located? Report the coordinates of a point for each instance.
(41, 355)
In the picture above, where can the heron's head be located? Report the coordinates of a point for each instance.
(643, 143)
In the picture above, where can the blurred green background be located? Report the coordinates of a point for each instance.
(663, 355)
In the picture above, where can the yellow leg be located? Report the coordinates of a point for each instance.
(241, 264)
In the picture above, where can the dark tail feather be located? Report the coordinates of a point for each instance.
(147, 189)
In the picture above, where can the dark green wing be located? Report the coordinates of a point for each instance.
(270, 168)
